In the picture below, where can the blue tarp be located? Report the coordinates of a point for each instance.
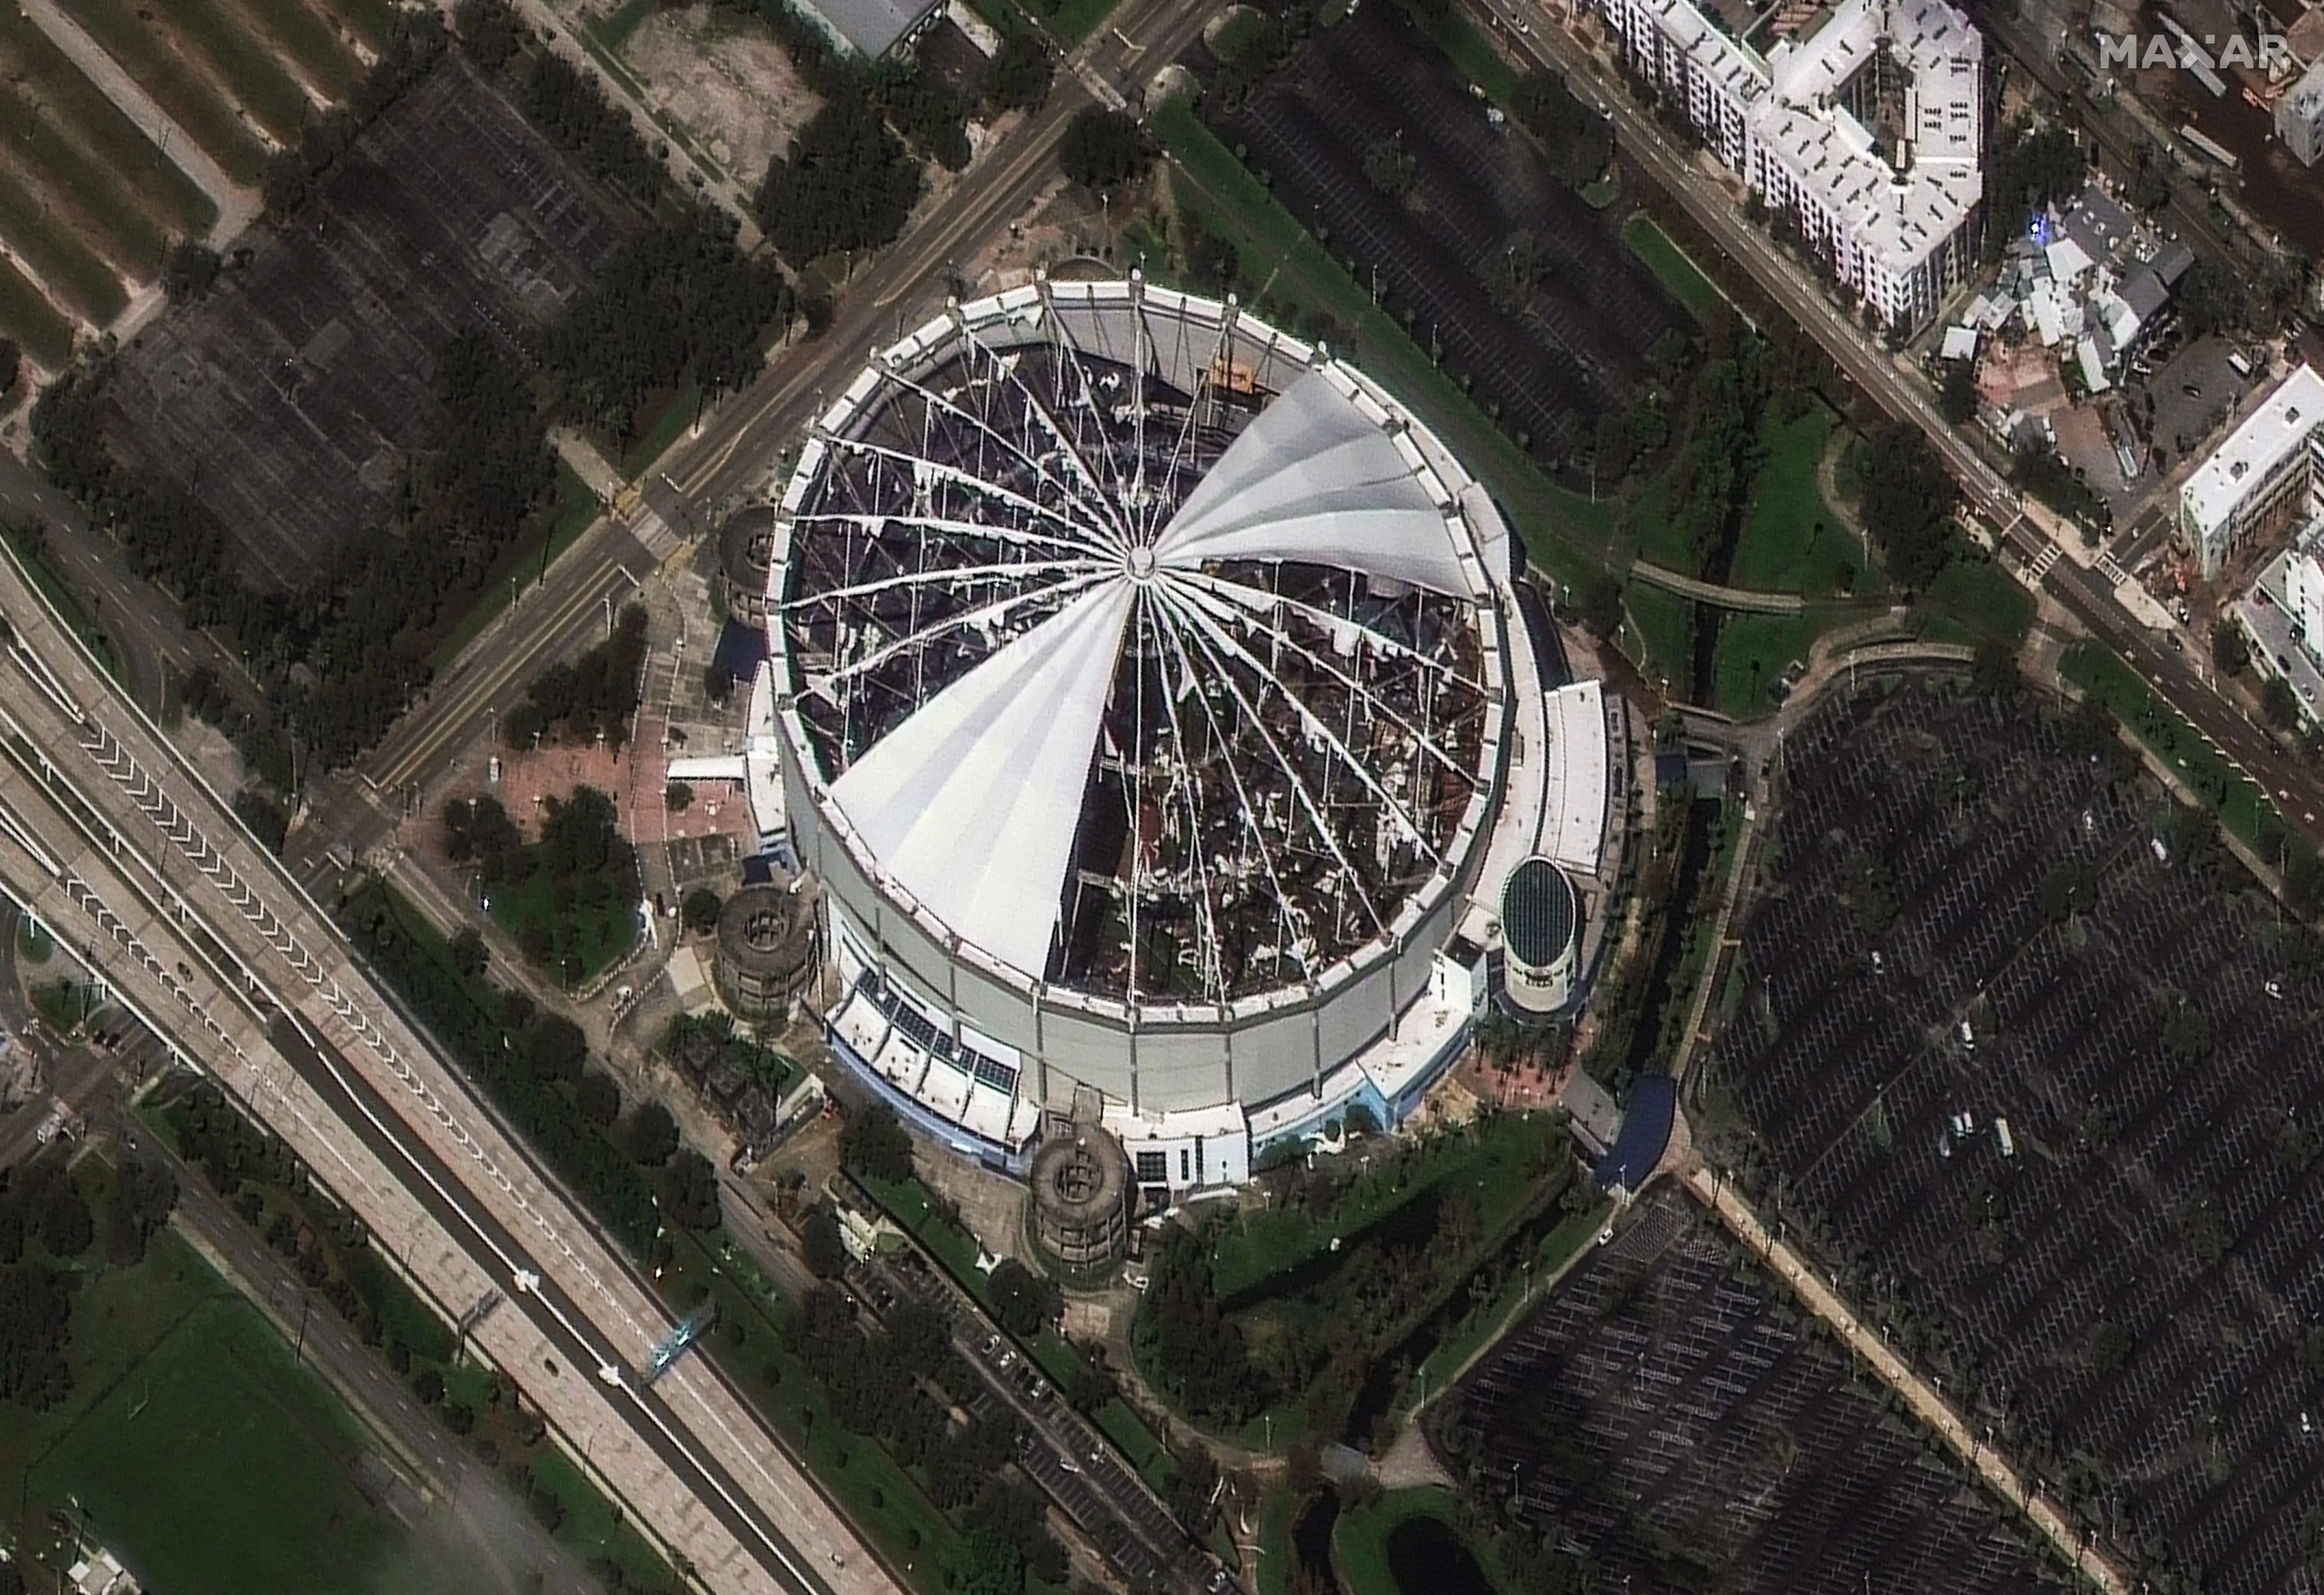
(1645, 1131)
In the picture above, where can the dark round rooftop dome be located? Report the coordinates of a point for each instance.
(1537, 913)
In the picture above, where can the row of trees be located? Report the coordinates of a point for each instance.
(46, 1230)
(588, 700)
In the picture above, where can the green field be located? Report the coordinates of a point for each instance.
(1975, 598)
(242, 64)
(1359, 1541)
(36, 325)
(1793, 541)
(306, 40)
(1495, 1162)
(602, 936)
(371, 21)
(1752, 651)
(188, 98)
(1681, 278)
(1571, 1233)
(1075, 20)
(1564, 533)
(678, 413)
(196, 1447)
(1656, 635)
(219, 1466)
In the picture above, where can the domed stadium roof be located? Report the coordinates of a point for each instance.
(1147, 666)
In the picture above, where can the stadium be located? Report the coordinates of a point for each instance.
(1151, 693)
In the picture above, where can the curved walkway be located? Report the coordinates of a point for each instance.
(1702, 592)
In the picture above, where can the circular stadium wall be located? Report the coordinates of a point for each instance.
(1142, 680)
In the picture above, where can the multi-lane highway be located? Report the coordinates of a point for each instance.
(2086, 592)
(118, 847)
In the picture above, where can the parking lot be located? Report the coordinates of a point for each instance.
(2039, 1077)
(1581, 345)
(1671, 1412)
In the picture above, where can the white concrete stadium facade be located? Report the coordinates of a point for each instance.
(1132, 511)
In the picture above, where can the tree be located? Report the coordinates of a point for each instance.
(1957, 398)
(652, 1135)
(2230, 651)
(1023, 1302)
(189, 267)
(2211, 299)
(489, 31)
(598, 1098)
(2279, 703)
(1908, 504)
(429, 1386)
(66, 1226)
(874, 1143)
(1019, 76)
(2109, 1347)
(820, 1247)
(848, 183)
(468, 953)
(35, 1326)
(1513, 271)
(678, 796)
(699, 911)
(1599, 603)
(1392, 169)
(1104, 149)
(689, 1192)
(1993, 672)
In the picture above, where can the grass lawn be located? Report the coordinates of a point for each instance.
(576, 510)
(1496, 1162)
(1469, 51)
(244, 64)
(217, 1465)
(64, 124)
(65, 602)
(1360, 1542)
(600, 936)
(308, 41)
(371, 21)
(675, 417)
(613, 29)
(1077, 19)
(54, 247)
(195, 1445)
(2242, 807)
(1274, 1548)
(1681, 278)
(39, 329)
(1752, 651)
(592, 1529)
(876, 1496)
(1564, 533)
(1791, 541)
(1603, 190)
(1975, 598)
(34, 942)
(181, 91)
(1657, 636)
(1571, 1234)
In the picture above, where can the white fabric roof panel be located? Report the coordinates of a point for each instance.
(976, 797)
(1315, 480)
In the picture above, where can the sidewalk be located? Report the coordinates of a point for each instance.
(1927, 1404)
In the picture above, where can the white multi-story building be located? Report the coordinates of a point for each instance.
(1865, 127)
(2263, 478)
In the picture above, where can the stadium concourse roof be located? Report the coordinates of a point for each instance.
(972, 803)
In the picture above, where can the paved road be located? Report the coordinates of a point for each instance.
(130, 859)
(739, 444)
(491, 1525)
(2085, 593)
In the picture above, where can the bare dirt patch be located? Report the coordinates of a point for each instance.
(728, 83)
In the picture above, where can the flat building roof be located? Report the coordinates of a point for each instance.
(2279, 425)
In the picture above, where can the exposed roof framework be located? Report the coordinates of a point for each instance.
(1133, 674)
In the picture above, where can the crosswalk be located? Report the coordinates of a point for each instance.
(2115, 574)
(2050, 555)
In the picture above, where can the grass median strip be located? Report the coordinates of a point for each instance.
(187, 98)
(2242, 807)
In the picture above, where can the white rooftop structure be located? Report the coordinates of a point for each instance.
(1146, 702)
(2249, 474)
(1961, 343)
(1868, 125)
